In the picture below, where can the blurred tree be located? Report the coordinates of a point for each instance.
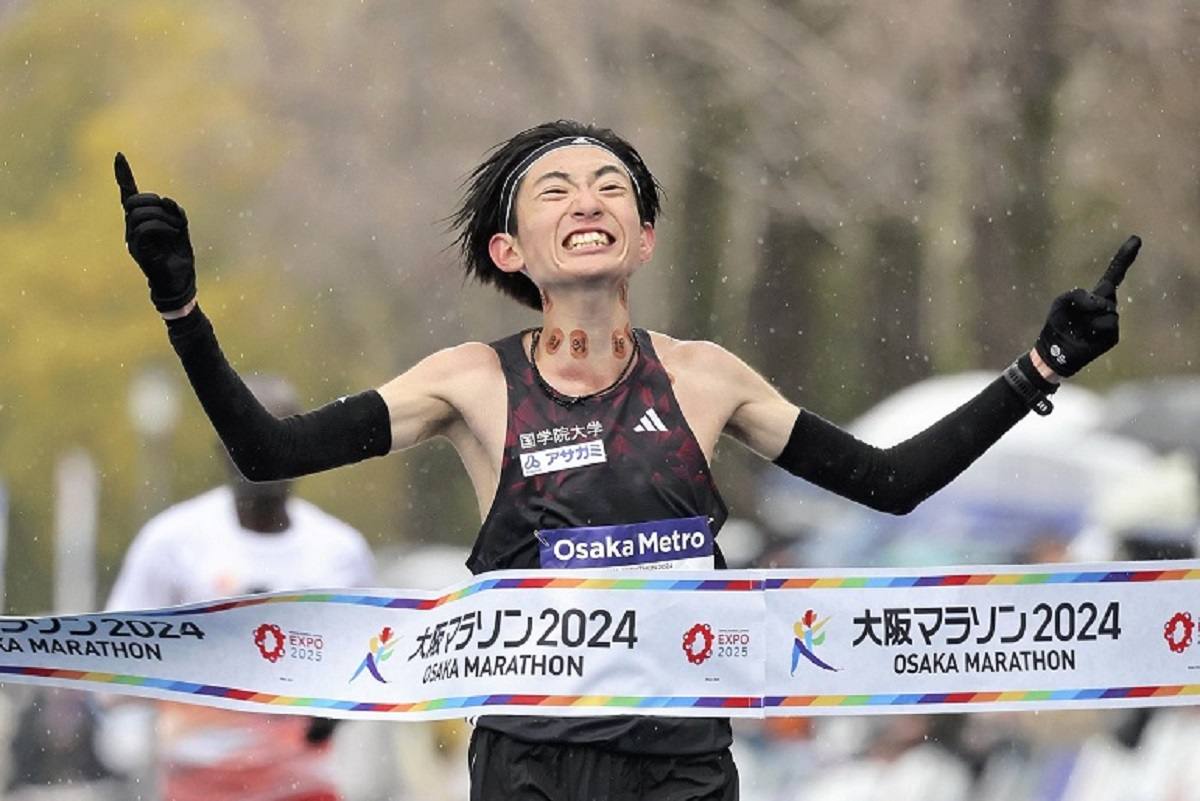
(1126, 155)
(165, 83)
(1012, 161)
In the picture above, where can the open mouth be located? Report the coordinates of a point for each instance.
(587, 240)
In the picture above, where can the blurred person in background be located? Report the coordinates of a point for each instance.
(237, 539)
(50, 744)
(559, 218)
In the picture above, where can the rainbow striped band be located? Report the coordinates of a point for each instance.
(977, 579)
(465, 703)
(669, 585)
(737, 643)
(704, 585)
(1013, 696)
(715, 703)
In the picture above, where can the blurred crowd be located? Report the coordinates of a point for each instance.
(1104, 478)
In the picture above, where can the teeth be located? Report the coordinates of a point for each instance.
(585, 239)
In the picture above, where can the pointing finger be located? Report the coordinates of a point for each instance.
(124, 177)
(1115, 273)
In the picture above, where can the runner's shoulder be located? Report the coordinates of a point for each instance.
(445, 385)
(467, 361)
(469, 355)
(699, 356)
(465, 374)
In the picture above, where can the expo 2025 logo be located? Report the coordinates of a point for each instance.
(269, 640)
(698, 643)
(809, 636)
(1178, 631)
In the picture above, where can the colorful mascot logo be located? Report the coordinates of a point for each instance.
(381, 649)
(808, 637)
(698, 643)
(268, 638)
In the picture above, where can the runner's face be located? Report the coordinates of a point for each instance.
(577, 217)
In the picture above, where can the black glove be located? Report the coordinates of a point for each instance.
(320, 730)
(156, 234)
(1082, 325)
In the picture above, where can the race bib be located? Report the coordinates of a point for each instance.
(681, 544)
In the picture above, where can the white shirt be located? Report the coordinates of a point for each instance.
(197, 550)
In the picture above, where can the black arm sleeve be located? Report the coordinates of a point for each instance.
(896, 479)
(264, 447)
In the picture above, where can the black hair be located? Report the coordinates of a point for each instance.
(480, 216)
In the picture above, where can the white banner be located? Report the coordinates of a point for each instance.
(711, 643)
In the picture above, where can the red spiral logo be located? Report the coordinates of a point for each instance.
(272, 653)
(1179, 640)
(699, 631)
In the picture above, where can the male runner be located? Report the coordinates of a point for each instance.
(560, 217)
(233, 540)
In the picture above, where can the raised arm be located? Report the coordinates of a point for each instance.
(1080, 327)
(264, 447)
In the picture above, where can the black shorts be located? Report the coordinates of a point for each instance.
(506, 768)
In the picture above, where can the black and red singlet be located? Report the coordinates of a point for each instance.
(579, 473)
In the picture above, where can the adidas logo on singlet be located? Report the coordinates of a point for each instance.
(650, 422)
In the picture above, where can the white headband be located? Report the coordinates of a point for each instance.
(509, 189)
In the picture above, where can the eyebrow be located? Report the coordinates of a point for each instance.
(599, 173)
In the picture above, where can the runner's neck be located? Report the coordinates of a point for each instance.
(586, 342)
